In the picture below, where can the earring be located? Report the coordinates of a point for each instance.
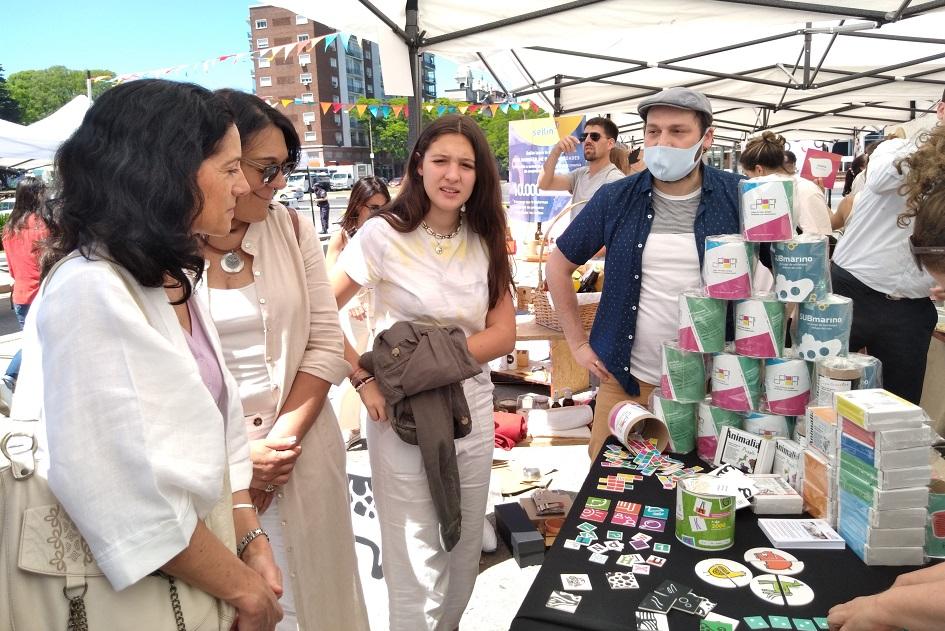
(462, 208)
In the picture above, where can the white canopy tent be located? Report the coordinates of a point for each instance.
(33, 146)
(804, 68)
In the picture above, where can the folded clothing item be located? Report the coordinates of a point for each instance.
(509, 429)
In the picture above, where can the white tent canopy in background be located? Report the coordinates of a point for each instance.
(870, 63)
(32, 146)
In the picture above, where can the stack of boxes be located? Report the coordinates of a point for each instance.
(882, 472)
(819, 486)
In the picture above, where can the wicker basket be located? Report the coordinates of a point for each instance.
(545, 314)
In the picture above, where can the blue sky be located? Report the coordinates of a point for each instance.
(136, 36)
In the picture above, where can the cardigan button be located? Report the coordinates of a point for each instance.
(395, 352)
(464, 420)
(257, 421)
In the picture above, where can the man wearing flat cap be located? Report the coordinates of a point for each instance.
(654, 226)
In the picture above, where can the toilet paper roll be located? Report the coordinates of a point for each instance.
(772, 425)
(711, 419)
(728, 266)
(823, 328)
(787, 386)
(683, 374)
(801, 268)
(872, 370)
(836, 374)
(736, 382)
(701, 322)
(766, 208)
(680, 418)
(760, 326)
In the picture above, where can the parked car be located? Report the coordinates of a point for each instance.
(341, 180)
(395, 181)
(6, 205)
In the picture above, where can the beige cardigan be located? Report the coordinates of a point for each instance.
(302, 333)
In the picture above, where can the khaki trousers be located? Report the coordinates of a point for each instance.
(610, 394)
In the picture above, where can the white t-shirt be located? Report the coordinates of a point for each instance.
(414, 284)
(813, 214)
(670, 267)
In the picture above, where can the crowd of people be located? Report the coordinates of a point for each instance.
(211, 317)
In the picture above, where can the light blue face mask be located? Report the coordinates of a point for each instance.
(670, 164)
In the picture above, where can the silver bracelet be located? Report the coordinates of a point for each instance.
(235, 506)
(248, 539)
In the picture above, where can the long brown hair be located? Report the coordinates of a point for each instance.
(29, 200)
(923, 174)
(363, 190)
(485, 214)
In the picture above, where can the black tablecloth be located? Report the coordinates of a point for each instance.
(835, 576)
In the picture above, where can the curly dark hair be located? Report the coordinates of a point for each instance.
(128, 180)
(923, 173)
(484, 211)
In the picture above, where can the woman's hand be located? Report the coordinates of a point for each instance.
(358, 313)
(273, 460)
(374, 401)
(258, 556)
(859, 614)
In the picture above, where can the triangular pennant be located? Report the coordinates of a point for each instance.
(374, 109)
(329, 39)
(516, 107)
(494, 107)
(397, 110)
(463, 108)
(440, 110)
(361, 108)
(406, 111)
(387, 110)
(473, 108)
(336, 107)
(428, 108)
(223, 57)
(504, 107)
(286, 102)
(298, 101)
(325, 107)
(534, 106)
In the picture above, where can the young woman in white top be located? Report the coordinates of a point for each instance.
(142, 420)
(435, 255)
(764, 155)
(270, 299)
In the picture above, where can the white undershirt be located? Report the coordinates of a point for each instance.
(670, 267)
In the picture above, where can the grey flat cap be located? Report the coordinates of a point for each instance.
(683, 98)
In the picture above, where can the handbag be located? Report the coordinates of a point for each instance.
(48, 577)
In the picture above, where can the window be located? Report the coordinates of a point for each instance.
(262, 42)
(333, 62)
(368, 73)
(308, 97)
(304, 37)
(334, 82)
(265, 82)
(305, 77)
(263, 62)
(339, 138)
(262, 23)
(337, 119)
(309, 136)
(308, 117)
(336, 99)
(301, 19)
(305, 59)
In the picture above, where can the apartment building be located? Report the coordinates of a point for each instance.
(341, 73)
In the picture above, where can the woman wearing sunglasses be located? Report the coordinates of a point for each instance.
(269, 296)
(368, 195)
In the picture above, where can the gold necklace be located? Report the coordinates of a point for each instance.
(438, 239)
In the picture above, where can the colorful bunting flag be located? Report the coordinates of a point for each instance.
(325, 107)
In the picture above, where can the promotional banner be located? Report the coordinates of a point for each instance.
(530, 142)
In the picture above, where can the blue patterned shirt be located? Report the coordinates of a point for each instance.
(620, 216)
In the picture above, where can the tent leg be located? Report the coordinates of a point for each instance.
(413, 50)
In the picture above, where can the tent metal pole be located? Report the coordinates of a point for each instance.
(898, 38)
(859, 75)
(876, 16)
(412, 32)
(861, 87)
(807, 40)
(912, 107)
(797, 63)
(494, 75)
(518, 19)
(823, 58)
(886, 76)
(898, 14)
(380, 15)
(724, 49)
(557, 104)
(922, 8)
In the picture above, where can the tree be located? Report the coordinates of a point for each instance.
(39, 93)
(9, 109)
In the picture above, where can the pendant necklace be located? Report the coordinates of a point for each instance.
(230, 260)
(438, 246)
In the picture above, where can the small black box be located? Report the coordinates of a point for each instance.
(519, 534)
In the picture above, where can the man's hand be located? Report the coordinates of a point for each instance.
(586, 357)
(937, 293)
(567, 144)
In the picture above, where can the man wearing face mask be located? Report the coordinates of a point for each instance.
(599, 137)
(654, 226)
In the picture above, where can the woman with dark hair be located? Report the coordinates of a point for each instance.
(22, 241)
(857, 165)
(138, 455)
(269, 296)
(368, 195)
(764, 157)
(434, 255)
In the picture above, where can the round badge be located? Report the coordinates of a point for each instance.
(782, 590)
(723, 573)
(774, 561)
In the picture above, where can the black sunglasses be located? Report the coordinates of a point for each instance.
(918, 251)
(595, 136)
(270, 171)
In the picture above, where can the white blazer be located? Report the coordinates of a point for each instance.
(130, 439)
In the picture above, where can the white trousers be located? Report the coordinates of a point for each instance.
(429, 587)
(271, 523)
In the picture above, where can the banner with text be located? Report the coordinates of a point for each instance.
(530, 142)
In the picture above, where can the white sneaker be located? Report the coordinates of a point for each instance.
(489, 541)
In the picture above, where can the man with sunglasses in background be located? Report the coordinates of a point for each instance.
(654, 226)
(599, 137)
(893, 317)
